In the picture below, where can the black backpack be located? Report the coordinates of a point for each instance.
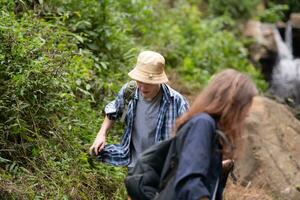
(128, 96)
(154, 171)
(149, 175)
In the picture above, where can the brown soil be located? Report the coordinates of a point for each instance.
(271, 155)
(239, 192)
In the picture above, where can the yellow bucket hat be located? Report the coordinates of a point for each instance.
(149, 68)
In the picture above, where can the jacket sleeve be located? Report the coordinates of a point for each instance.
(194, 160)
(115, 108)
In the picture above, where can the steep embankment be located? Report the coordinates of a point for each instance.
(271, 156)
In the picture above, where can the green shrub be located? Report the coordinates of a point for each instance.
(48, 89)
(197, 47)
(235, 8)
(274, 13)
(293, 5)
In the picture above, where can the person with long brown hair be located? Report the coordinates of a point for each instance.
(221, 107)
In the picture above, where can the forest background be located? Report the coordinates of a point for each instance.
(61, 61)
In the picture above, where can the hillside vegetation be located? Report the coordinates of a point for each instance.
(61, 61)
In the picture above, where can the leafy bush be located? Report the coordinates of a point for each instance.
(293, 5)
(48, 88)
(274, 13)
(196, 48)
(234, 8)
(193, 46)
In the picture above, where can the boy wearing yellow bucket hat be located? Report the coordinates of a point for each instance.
(150, 112)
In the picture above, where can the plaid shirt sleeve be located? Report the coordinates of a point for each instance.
(115, 108)
(183, 105)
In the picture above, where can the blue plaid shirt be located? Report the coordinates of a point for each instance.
(172, 105)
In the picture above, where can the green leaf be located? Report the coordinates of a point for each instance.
(93, 46)
(79, 38)
(3, 160)
(88, 87)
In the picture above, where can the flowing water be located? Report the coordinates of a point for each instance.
(286, 74)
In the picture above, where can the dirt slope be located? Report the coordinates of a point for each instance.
(271, 155)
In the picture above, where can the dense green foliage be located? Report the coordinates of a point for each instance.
(265, 11)
(235, 8)
(293, 6)
(62, 61)
(47, 116)
(274, 13)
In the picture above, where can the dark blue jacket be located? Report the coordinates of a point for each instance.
(200, 160)
(186, 167)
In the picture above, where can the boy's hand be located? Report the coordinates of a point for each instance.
(98, 145)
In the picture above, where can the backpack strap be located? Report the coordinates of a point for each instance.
(215, 190)
(128, 96)
(230, 169)
(223, 137)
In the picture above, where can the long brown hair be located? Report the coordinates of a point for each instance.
(227, 97)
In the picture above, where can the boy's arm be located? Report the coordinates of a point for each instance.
(113, 111)
(99, 141)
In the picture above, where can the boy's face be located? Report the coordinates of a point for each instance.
(148, 91)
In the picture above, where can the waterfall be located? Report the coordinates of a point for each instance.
(286, 73)
(289, 37)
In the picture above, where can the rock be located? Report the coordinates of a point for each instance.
(271, 154)
(263, 51)
(295, 20)
(262, 33)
